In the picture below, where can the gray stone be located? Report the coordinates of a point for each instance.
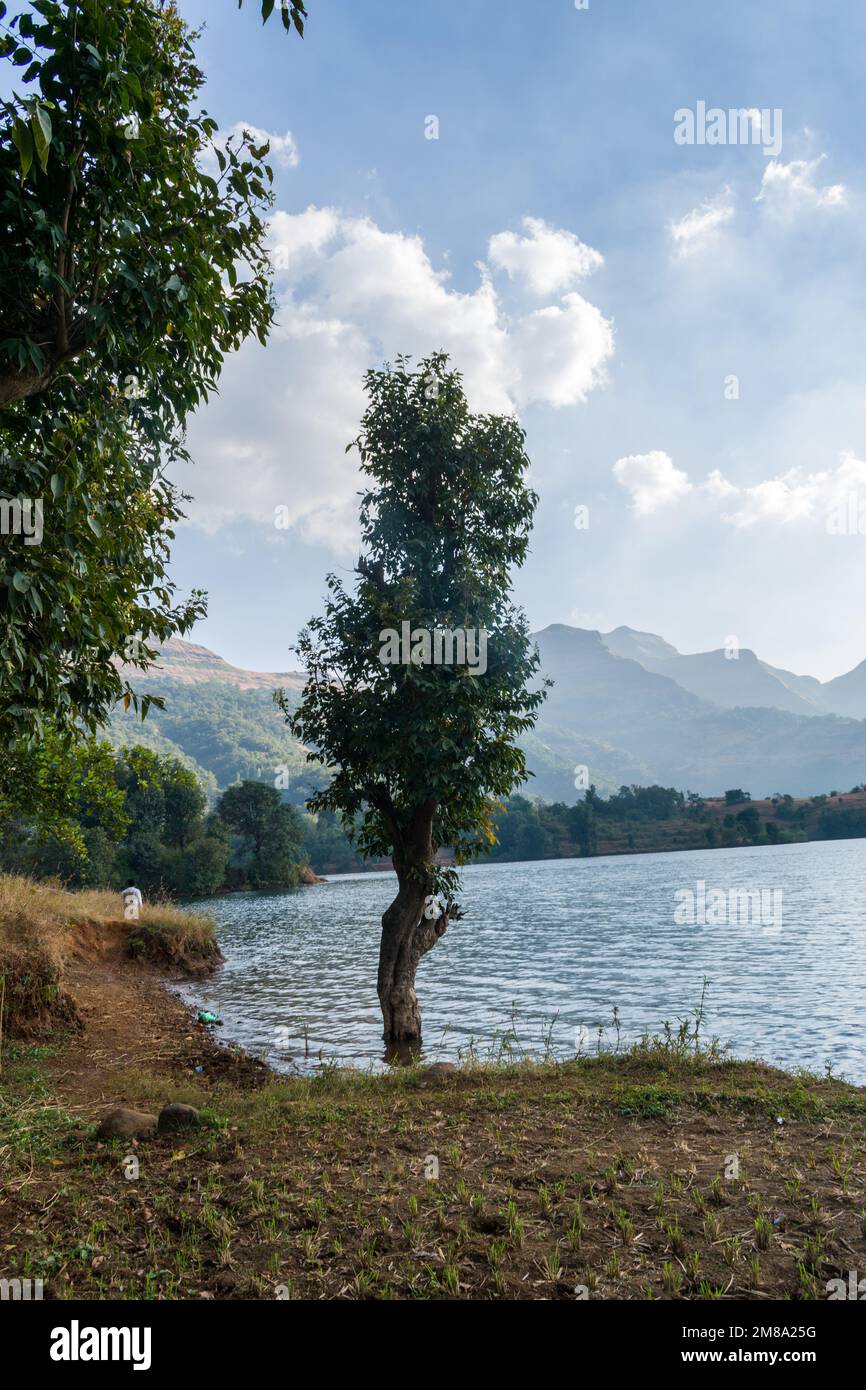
(121, 1123)
(175, 1116)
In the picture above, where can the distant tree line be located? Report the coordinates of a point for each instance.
(531, 829)
(134, 814)
(834, 822)
(649, 818)
(160, 832)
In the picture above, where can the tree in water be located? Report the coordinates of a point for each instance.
(421, 681)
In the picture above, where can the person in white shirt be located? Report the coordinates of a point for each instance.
(132, 901)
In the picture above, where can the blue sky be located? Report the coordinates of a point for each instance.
(584, 270)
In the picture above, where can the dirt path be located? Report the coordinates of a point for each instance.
(132, 1023)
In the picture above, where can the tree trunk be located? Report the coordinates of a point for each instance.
(406, 937)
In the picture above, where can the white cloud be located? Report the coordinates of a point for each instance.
(651, 479)
(786, 498)
(787, 186)
(297, 240)
(561, 351)
(794, 495)
(700, 227)
(351, 295)
(717, 486)
(548, 259)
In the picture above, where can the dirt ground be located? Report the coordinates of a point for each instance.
(131, 1021)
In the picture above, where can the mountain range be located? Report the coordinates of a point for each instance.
(625, 705)
(633, 709)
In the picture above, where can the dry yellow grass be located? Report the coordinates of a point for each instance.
(33, 911)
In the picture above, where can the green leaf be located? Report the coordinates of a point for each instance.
(40, 123)
(44, 120)
(22, 138)
(21, 581)
(267, 9)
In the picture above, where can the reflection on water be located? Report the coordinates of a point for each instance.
(549, 948)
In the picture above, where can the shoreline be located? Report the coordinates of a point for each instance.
(636, 853)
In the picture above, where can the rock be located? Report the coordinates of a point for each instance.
(174, 1117)
(121, 1123)
(438, 1069)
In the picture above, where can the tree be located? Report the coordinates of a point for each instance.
(127, 273)
(327, 846)
(581, 826)
(519, 832)
(138, 773)
(270, 830)
(170, 845)
(421, 752)
(185, 804)
(849, 823)
(202, 867)
(750, 822)
(96, 589)
(93, 818)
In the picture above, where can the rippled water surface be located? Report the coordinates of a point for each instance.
(555, 945)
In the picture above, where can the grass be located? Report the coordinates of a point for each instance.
(316, 1188)
(45, 911)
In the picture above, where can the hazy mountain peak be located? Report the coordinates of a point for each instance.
(639, 646)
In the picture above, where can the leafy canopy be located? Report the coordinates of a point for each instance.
(95, 818)
(96, 588)
(121, 252)
(132, 260)
(445, 517)
(57, 788)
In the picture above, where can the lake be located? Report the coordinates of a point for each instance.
(549, 948)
